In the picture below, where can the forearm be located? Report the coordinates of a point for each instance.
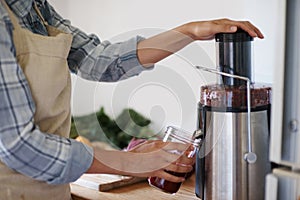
(114, 162)
(158, 47)
(162, 45)
(103, 164)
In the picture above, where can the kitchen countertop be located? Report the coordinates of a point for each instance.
(135, 192)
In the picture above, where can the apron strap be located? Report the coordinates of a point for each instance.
(12, 16)
(15, 20)
(37, 10)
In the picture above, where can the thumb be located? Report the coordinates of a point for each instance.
(233, 28)
(229, 29)
(226, 29)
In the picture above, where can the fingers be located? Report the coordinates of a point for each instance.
(178, 153)
(151, 145)
(178, 168)
(183, 164)
(169, 176)
(206, 30)
(175, 147)
(184, 160)
(175, 172)
(253, 31)
(247, 26)
(158, 146)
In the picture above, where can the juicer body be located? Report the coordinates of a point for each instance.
(234, 117)
(221, 170)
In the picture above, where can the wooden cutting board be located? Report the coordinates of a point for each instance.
(106, 182)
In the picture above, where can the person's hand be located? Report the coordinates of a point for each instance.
(167, 157)
(158, 47)
(151, 158)
(206, 30)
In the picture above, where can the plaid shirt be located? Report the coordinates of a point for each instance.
(23, 147)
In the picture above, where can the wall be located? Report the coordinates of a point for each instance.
(169, 93)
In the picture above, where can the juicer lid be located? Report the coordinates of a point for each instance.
(239, 36)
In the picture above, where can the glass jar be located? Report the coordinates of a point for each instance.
(174, 134)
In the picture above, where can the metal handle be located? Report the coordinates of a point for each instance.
(250, 156)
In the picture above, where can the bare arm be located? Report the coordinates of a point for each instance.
(156, 48)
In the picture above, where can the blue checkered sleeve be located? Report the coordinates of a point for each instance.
(96, 60)
(23, 147)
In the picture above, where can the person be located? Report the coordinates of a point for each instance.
(38, 50)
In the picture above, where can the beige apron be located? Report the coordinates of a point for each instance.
(44, 62)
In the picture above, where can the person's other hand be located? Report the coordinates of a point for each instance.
(151, 158)
(166, 156)
(206, 30)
